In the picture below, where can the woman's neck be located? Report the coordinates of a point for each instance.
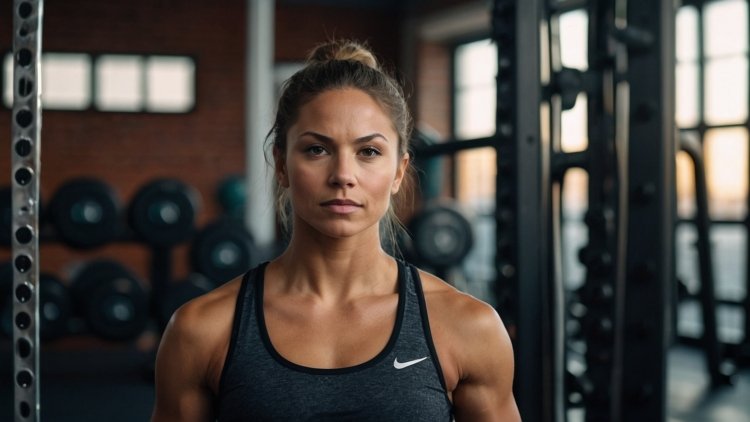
(335, 268)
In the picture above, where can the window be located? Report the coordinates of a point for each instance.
(170, 83)
(66, 81)
(119, 83)
(475, 71)
(712, 105)
(112, 82)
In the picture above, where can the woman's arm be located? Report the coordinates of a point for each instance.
(485, 389)
(182, 393)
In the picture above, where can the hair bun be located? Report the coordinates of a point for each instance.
(343, 50)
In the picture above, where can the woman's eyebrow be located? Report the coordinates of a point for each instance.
(326, 139)
(370, 137)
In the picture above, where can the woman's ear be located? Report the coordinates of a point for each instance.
(403, 165)
(279, 159)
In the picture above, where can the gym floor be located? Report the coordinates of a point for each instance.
(114, 386)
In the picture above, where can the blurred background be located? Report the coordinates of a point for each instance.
(152, 188)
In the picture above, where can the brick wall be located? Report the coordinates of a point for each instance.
(199, 148)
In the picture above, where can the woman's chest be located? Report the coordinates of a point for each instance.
(336, 337)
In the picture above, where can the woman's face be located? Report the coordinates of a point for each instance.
(341, 164)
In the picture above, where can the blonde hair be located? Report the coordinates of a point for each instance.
(345, 64)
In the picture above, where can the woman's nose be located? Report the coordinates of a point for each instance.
(342, 171)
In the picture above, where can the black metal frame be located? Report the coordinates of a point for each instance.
(651, 176)
(630, 159)
(601, 256)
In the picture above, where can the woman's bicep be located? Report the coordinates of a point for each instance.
(181, 365)
(485, 392)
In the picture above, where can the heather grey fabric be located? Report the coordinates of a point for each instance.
(257, 384)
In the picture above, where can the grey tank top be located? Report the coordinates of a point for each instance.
(404, 382)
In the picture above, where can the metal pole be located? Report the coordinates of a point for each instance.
(259, 98)
(523, 206)
(649, 36)
(25, 172)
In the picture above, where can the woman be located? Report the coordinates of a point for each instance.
(335, 328)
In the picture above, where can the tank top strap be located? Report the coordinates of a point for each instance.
(415, 336)
(245, 329)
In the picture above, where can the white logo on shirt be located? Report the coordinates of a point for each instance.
(402, 365)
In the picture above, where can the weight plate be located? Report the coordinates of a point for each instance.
(85, 213)
(442, 236)
(163, 212)
(222, 250)
(55, 307)
(111, 299)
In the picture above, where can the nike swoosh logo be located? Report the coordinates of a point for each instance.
(402, 365)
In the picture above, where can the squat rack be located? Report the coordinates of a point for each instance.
(629, 260)
(25, 168)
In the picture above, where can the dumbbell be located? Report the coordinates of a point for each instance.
(162, 213)
(442, 235)
(223, 250)
(85, 213)
(179, 293)
(54, 307)
(111, 299)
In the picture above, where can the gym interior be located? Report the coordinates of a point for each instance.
(582, 167)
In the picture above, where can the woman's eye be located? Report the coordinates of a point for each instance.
(316, 150)
(370, 152)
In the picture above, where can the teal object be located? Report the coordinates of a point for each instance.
(232, 196)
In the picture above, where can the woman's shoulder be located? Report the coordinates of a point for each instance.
(205, 323)
(204, 312)
(451, 299)
(461, 314)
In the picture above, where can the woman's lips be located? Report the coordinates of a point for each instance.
(341, 206)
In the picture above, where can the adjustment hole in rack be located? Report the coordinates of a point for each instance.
(24, 118)
(23, 263)
(23, 293)
(24, 378)
(24, 409)
(23, 176)
(23, 320)
(24, 235)
(25, 86)
(23, 347)
(24, 57)
(23, 147)
(24, 10)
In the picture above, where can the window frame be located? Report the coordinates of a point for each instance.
(143, 107)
